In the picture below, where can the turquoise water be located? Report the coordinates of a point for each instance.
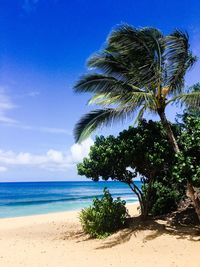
(21, 199)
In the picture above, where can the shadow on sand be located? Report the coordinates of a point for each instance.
(156, 227)
(181, 224)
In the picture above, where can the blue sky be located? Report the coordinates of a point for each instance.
(43, 48)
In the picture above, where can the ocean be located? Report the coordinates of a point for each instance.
(29, 198)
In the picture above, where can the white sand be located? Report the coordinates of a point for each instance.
(56, 240)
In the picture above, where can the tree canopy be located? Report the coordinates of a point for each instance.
(142, 152)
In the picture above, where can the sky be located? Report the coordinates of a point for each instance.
(44, 45)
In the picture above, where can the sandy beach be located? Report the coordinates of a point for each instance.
(57, 240)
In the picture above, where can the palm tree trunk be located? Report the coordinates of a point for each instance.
(193, 196)
(190, 189)
(169, 131)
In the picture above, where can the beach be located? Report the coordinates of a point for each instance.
(56, 239)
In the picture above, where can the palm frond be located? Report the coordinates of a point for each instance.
(140, 114)
(104, 99)
(132, 55)
(98, 83)
(130, 73)
(178, 59)
(117, 98)
(94, 119)
(191, 100)
(109, 64)
(125, 106)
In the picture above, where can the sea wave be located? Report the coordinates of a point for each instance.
(65, 199)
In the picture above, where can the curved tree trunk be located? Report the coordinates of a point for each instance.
(190, 189)
(138, 193)
(169, 131)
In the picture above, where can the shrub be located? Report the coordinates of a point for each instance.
(164, 198)
(104, 216)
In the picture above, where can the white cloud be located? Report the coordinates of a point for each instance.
(52, 160)
(27, 94)
(3, 169)
(5, 106)
(79, 151)
(50, 130)
(54, 130)
(55, 156)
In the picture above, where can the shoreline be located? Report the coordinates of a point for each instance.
(71, 215)
(57, 212)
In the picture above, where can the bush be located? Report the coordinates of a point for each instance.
(164, 198)
(104, 216)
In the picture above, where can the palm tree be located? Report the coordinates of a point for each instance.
(139, 70)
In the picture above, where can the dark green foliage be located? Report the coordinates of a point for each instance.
(104, 216)
(106, 160)
(187, 167)
(148, 149)
(164, 198)
(143, 151)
